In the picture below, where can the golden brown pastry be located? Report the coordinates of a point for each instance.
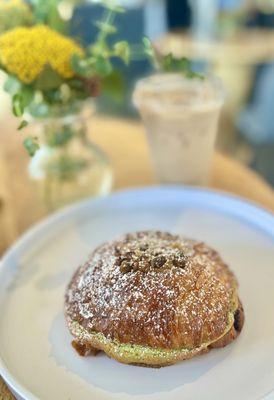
(152, 298)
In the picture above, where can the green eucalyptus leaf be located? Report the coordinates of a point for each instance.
(100, 49)
(21, 100)
(184, 64)
(12, 85)
(83, 67)
(54, 19)
(27, 94)
(46, 12)
(148, 48)
(169, 63)
(48, 79)
(102, 66)
(75, 63)
(17, 105)
(193, 74)
(52, 96)
(150, 52)
(22, 125)
(106, 27)
(122, 50)
(40, 10)
(31, 145)
(114, 86)
(39, 110)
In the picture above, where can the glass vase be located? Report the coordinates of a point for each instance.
(68, 166)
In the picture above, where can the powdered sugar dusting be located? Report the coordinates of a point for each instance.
(153, 288)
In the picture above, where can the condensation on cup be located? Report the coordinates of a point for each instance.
(181, 118)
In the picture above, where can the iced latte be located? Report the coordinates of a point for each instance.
(181, 118)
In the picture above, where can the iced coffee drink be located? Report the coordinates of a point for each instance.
(181, 119)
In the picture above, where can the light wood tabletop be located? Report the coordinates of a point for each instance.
(125, 144)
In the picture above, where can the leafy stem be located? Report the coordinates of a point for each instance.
(106, 27)
(169, 63)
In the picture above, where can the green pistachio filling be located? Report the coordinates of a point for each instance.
(135, 353)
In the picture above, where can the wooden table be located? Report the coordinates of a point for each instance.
(124, 142)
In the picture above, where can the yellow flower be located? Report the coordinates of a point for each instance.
(25, 52)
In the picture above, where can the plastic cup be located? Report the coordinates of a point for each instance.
(181, 119)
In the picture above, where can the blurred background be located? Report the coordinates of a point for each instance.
(233, 39)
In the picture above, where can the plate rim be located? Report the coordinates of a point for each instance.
(232, 204)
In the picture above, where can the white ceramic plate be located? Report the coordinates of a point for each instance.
(36, 358)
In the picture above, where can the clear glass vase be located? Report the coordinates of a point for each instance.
(68, 166)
